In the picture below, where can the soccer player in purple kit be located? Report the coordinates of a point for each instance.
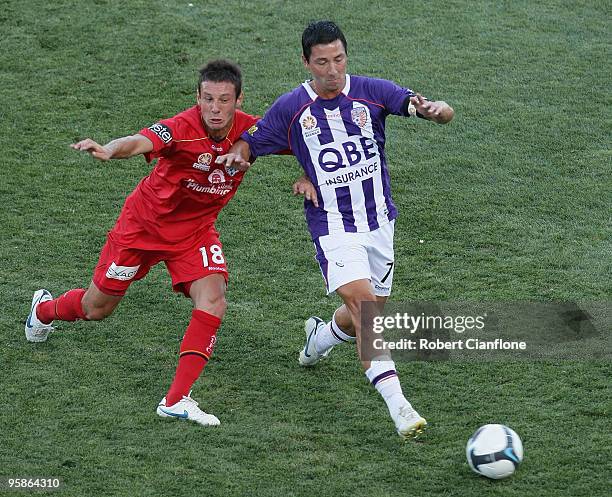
(335, 126)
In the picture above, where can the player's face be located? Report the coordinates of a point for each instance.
(217, 102)
(327, 65)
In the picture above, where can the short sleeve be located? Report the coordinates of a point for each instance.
(270, 134)
(395, 98)
(161, 134)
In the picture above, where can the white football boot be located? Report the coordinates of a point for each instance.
(35, 331)
(188, 409)
(309, 355)
(409, 423)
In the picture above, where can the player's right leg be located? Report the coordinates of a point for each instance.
(35, 329)
(110, 282)
(78, 303)
(342, 258)
(322, 337)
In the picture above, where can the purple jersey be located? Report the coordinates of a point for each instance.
(340, 143)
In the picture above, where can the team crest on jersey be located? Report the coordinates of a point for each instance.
(216, 177)
(359, 116)
(204, 161)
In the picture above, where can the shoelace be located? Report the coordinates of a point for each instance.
(190, 400)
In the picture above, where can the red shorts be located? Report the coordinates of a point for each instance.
(120, 265)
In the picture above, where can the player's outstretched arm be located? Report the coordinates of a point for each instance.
(237, 157)
(438, 111)
(121, 148)
(303, 186)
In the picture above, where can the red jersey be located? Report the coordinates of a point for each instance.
(186, 189)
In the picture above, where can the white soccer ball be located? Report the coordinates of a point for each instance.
(494, 451)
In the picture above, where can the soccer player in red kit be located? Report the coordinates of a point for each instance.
(169, 217)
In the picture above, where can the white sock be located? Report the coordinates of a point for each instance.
(383, 377)
(330, 335)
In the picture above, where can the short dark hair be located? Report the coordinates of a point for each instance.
(219, 71)
(321, 33)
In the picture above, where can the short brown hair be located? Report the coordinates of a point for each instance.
(219, 71)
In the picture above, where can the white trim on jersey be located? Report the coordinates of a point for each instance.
(313, 94)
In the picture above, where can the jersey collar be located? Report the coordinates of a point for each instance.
(313, 94)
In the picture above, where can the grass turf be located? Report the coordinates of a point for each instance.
(512, 201)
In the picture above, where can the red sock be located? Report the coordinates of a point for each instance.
(66, 307)
(196, 349)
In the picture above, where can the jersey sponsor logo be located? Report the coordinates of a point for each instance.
(162, 131)
(348, 154)
(252, 129)
(359, 115)
(216, 177)
(352, 175)
(204, 161)
(220, 189)
(121, 273)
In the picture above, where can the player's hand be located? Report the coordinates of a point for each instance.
(95, 149)
(434, 111)
(233, 160)
(304, 187)
(424, 107)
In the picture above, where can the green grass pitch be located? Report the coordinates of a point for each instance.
(512, 201)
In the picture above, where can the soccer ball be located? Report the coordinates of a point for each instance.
(494, 451)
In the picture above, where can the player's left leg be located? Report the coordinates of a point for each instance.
(380, 371)
(382, 374)
(343, 258)
(208, 295)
